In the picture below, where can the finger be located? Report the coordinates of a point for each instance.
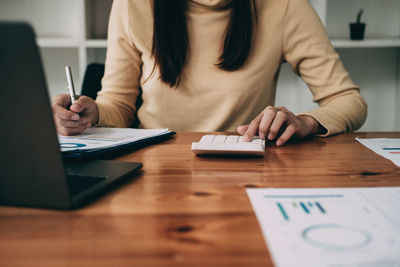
(82, 103)
(280, 118)
(73, 124)
(269, 115)
(63, 125)
(242, 129)
(62, 113)
(282, 108)
(253, 128)
(72, 131)
(286, 135)
(63, 100)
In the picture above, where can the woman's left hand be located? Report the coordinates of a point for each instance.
(281, 124)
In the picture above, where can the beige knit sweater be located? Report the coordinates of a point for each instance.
(208, 98)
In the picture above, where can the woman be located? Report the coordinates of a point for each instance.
(213, 65)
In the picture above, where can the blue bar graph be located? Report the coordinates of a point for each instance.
(304, 208)
(284, 214)
(308, 207)
(320, 207)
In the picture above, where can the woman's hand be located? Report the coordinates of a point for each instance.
(80, 115)
(280, 123)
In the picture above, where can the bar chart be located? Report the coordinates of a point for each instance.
(392, 150)
(306, 207)
(289, 205)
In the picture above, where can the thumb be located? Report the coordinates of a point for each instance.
(81, 104)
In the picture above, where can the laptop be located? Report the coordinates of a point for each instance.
(33, 172)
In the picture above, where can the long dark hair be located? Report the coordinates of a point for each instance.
(170, 37)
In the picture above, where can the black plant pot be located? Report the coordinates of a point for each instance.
(357, 31)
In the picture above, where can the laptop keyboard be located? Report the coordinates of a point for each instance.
(78, 183)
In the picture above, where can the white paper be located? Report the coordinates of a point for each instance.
(102, 137)
(386, 147)
(336, 227)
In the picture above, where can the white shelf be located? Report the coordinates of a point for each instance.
(58, 42)
(101, 43)
(368, 43)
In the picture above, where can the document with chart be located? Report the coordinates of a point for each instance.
(98, 141)
(99, 137)
(336, 227)
(386, 147)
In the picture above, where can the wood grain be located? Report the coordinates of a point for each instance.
(184, 210)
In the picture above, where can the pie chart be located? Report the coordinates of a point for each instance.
(336, 237)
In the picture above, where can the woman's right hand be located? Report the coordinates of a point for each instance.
(78, 117)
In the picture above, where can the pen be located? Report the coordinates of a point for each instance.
(70, 82)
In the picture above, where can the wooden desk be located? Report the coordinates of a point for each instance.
(186, 210)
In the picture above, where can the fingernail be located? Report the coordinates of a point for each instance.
(75, 117)
(270, 137)
(279, 143)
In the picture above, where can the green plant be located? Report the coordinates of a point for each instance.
(359, 15)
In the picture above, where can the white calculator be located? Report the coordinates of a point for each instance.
(228, 144)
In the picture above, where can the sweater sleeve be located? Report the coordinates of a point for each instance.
(121, 81)
(308, 50)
